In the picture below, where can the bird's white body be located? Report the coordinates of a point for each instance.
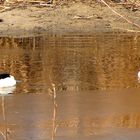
(7, 90)
(138, 74)
(7, 82)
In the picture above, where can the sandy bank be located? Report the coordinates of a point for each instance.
(72, 18)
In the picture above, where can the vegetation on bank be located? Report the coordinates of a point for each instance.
(131, 5)
(33, 17)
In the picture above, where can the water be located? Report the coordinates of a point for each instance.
(95, 78)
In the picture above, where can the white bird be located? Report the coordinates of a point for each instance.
(7, 80)
(7, 90)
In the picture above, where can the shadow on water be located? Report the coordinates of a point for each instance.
(95, 80)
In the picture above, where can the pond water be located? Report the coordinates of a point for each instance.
(94, 78)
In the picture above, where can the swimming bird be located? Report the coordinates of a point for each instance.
(7, 90)
(7, 80)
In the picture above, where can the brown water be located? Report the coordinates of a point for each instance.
(95, 78)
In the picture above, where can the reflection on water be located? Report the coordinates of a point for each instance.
(97, 75)
(73, 62)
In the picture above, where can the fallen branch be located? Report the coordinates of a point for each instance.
(82, 17)
(120, 14)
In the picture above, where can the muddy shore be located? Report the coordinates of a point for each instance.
(72, 18)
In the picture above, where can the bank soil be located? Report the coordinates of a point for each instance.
(74, 17)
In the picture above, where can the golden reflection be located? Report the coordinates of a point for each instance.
(94, 62)
(76, 62)
(8, 43)
(20, 60)
(73, 63)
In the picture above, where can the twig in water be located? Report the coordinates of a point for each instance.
(4, 117)
(3, 135)
(54, 90)
(54, 127)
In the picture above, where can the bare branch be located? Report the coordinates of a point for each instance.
(120, 14)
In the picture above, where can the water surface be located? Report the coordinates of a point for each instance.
(95, 78)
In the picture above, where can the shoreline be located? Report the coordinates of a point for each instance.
(74, 18)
